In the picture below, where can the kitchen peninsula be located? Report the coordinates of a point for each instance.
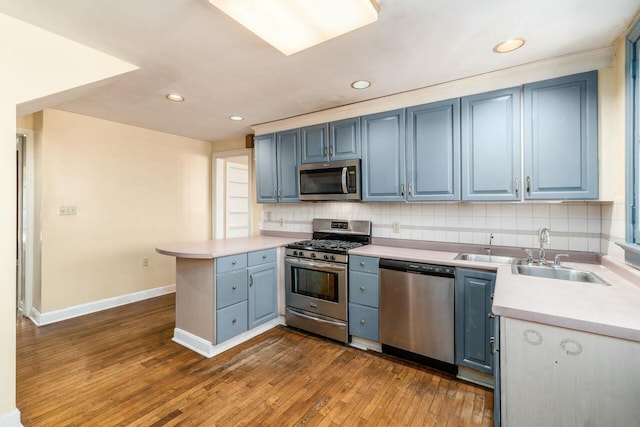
(226, 290)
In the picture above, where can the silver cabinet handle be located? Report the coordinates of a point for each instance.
(234, 262)
(517, 185)
(275, 194)
(324, 150)
(234, 321)
(250, 280)
(331, 150)
(264, 257)
(409, 189)
(362, 288)
(279, 193)
(402, 189)
(234, 287)
(491, 316)
(362, 321)
(528, 185)
(361, 263)
(491, 342)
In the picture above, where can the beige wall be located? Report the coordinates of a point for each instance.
(36, 64)
(133, 188)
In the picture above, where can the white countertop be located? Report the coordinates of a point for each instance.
(607, 310)
(209, 249)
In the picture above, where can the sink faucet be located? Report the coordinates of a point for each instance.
(544, 237)
(489, 248)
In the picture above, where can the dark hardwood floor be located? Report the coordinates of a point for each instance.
(120, 367)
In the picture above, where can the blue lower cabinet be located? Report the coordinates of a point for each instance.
(364, 322)
(263, 294)
(474, 319)
(231, 321)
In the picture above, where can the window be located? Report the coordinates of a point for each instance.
(632, 248)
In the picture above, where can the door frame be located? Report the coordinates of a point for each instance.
(30, 248)
(214, 172)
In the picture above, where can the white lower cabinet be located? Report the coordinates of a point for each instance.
(553, 376)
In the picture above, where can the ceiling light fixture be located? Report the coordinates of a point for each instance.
(294, 25)
(174, 97)
(236, 118)
(360, 84)
(509, 46)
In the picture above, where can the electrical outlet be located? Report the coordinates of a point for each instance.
(145, 262)
(395, 226)
(67, 210)
(268, 216)
(281, 222)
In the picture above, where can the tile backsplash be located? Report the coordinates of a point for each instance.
(574, 226)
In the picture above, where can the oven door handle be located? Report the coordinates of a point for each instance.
(315, 319)
(344, 180)
(319, 265)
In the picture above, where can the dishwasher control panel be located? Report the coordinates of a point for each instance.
(419, 268)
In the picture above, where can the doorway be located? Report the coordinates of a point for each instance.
(25, 244)
(232, 213)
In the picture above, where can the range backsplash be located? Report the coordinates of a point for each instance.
(587, 226)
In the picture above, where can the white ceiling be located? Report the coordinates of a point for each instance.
(190, 47)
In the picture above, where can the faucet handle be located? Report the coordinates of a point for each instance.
(529, 254)
(556, 260)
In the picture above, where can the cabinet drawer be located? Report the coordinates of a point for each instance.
(364, 289)
(363, 263)
(231, 288)
(231, 263)
(363, 322)
(231, 321)
(262, 257)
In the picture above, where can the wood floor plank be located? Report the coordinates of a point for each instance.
(119, 367)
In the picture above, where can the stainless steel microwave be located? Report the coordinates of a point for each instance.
(330, 181)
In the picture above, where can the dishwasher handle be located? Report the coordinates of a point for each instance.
(417, 268)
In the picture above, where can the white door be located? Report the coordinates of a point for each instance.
(237, 200)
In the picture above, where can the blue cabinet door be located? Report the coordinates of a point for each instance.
(266, 168)
(344, 139)
(263, 294)
(561, 138)
(383, 171)
(490, 126)
(474, 324)
(315, 143)
(288, 153)
(433, 151)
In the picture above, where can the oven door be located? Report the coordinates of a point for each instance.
(317, 287)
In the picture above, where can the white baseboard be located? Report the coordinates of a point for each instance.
(207, 349)
(11, 419)
(41, 319)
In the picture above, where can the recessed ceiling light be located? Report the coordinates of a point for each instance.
(360, 84)
(175, 97)
(236, 118)
(509, 46)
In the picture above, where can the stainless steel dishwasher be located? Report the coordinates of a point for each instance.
(417, 308)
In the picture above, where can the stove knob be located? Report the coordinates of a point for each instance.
(333, 257)
(326, 257)
(313, 254)
(300, 253)
(295, 253)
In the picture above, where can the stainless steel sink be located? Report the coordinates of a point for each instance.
(561, 273)
(495, 259)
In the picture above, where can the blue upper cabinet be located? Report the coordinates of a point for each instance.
(334, 141)
(433, 151)
(344, 139)
(490, 124)
(383, 148)
(266, 168)
(315, 143)
(277, 160)
(561, 138)
(288, 154)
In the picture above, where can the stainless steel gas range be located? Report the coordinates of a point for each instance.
(316, 273)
